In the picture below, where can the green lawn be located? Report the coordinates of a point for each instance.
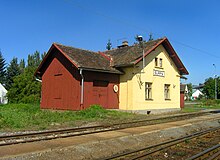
(31, 117)
(202, 105)
(16, 117)
(198, 108)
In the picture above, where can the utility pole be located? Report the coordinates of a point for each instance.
(215, 76)
(139, 38)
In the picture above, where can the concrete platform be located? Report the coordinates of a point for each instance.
(99, 145)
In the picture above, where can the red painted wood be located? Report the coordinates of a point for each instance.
(60, 89)
(99, 89)
(61, 86)
(100, 95)
(182, 99)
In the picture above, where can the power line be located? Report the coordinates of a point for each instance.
(194, 48)
(93, 11)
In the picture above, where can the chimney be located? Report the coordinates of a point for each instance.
(124, 44)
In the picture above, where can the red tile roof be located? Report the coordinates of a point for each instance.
(111, 61)
(88, 59)
(131, 55)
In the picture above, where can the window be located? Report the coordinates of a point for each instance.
(148, 90)
(161, 63)
(167, 91)
(156, 62)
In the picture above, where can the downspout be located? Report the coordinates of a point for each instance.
(82, 89)
(39, 80)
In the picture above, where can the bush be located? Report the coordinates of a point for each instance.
(31, 99)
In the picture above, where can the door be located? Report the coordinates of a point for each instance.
(100, 93)
(57, 91)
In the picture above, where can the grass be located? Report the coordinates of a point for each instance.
(202, 105)
(180, 153)
(14, 117)
(198, 108)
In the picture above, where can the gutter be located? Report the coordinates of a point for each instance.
(125, 65)
(101, 70)
(182, 77)
(82, 88)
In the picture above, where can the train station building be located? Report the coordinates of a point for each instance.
(139, 77)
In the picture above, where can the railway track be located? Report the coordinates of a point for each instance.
(144, 153)
(77, 131)
(212, 153)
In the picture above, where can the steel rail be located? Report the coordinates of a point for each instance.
(164, 145)
(77, 131)
(207, 151)
(215, 156)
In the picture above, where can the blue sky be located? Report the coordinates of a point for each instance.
(193, 27)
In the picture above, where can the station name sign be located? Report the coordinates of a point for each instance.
(159, 73)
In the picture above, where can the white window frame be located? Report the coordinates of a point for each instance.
(167, 91)
(160, 62)
(148, 90)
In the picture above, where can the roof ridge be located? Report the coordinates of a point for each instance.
(117, 48)
(135, 44)
(75, 47)
(161, 40)
(98, 52)
(104, 55)
(66, 55)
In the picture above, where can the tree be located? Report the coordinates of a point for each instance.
(150, 37)
(25, 89)
(218, 87)
(34, 59)
(189, 86)
(22, 65)
(109, 45)
(12, 71)
(2, 69)
(209, 87)
(43, 55)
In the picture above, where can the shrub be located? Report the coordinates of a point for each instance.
(31, 99)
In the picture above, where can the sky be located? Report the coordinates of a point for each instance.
(192, 27)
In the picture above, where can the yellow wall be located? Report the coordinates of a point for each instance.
(132, 84)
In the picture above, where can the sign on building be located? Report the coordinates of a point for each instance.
(159, 73)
